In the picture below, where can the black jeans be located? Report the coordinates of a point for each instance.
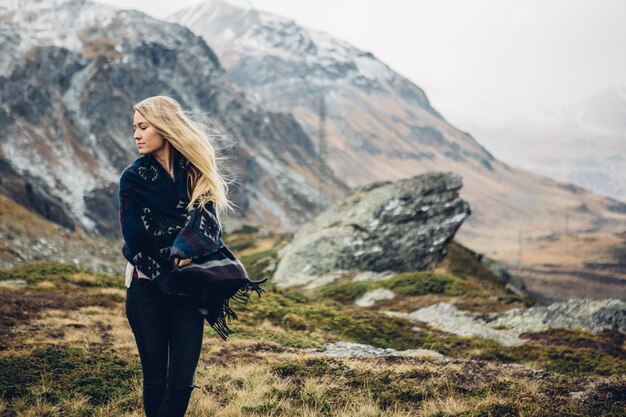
(168, 332)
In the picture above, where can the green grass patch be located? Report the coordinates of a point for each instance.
(52, 373)
(284, 307)
(426, 282)
(56, 272)
(290, 338)
(463, 262)
(246, 229)
(386, 387)
(258, 262)
(561, 359)
(237, 245)
(289, 308)
(483, 389)
(406, 283)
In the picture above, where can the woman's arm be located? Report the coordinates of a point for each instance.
(201, 235)
(138, 247)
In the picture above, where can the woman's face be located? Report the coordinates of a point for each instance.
(147, 138)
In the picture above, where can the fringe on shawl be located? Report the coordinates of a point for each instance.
(242, 296)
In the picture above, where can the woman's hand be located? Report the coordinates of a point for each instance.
(181, 262)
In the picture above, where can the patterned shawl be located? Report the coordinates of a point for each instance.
(157, 227)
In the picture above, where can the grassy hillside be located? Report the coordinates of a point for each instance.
(66, 350)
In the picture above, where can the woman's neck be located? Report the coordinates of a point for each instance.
(165, 157)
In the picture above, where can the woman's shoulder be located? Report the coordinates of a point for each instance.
(133, 168)
(133, 173)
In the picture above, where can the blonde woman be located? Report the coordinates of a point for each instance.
(179, 272)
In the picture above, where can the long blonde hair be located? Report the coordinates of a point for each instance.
(204, 177)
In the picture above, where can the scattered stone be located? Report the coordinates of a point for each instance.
(372, 276)
(13, 283)
(326, 279)
(348, 349)
(369, 298)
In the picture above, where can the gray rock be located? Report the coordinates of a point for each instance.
(372, 276)
(13, 283)
(505, 328)
(326, 279)
(385, 226)
(448, 318)
(348, 349)
(370, 297)
(587, 314)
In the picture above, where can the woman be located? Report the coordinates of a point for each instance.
(179, 271)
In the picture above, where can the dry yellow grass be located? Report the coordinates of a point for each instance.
(574, 265)
(250, 375)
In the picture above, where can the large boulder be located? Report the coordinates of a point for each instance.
(384, 226)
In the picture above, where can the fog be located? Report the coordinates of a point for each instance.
(482, 63)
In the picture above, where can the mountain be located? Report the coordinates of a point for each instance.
(70, 72)
(603, 112)
(27, 237)
(67, 92)
(583, 143)
(381, 126)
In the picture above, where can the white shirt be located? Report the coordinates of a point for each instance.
(129, 274)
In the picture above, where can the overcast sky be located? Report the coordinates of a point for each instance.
(480, 62)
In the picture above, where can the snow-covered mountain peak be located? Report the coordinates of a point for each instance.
(191, 14)
(86, 27)
(30, 5)
(264, 32)
(245, 31)
(85, 11)
(53, 22)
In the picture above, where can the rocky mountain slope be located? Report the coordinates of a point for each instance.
(381, 126)
(28, 237)
(70, 72)
(67, 94)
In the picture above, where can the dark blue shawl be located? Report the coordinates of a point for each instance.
(157, 227)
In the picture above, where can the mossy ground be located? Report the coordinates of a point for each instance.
(67, 350)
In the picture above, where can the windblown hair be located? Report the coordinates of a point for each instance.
(188, 136)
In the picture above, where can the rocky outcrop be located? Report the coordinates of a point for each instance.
(26, 237)
(348, 349)
(505, 328)
(448, 318)
(385, 226)
(591, 315)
